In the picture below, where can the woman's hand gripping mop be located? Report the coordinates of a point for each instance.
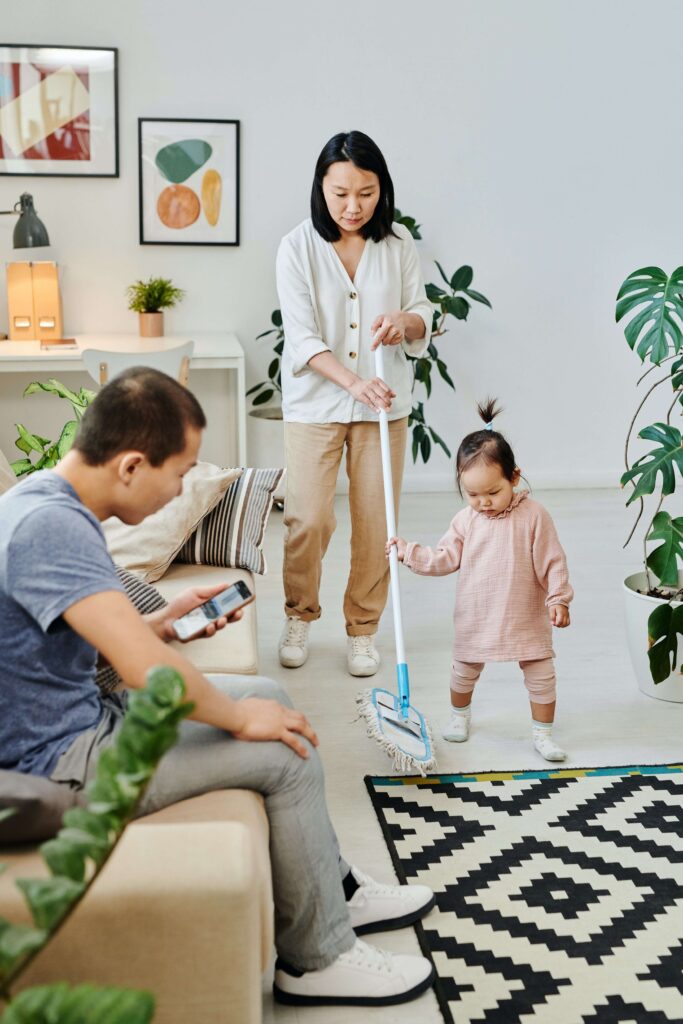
(399, 728)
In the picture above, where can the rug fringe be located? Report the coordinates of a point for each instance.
(402, 762)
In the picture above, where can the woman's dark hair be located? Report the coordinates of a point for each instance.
(486, 446)
(360, 150)
(140, 410)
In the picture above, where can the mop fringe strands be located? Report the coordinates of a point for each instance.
(399, 728)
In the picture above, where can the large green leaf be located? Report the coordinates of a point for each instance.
(29, 439)
(655, 329)
(661, 459)
(66, 438)
(16, 940)
(54, 387)
(20, 467)
(85, 1004)
(462, 278)
(49, 898)
(664, 560)
(663, 627)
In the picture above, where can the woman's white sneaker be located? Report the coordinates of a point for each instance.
(362, 657)
(293, 646)
(377, 908)
(364, 976)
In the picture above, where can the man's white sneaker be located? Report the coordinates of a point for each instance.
(546, 745)
(362, 657)
(458, 728)
(377, 908)
(364, 976)
(293, 646)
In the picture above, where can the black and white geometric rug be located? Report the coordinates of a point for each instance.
(559, 894)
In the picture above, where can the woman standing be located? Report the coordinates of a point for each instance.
(348, 280)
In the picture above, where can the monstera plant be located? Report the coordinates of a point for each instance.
(652, 301)
(76, 856)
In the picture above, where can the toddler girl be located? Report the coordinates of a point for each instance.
(513, 581)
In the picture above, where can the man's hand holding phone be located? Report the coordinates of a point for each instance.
(163, 622)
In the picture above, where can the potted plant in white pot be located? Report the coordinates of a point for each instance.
(654, 596)
(149, 299)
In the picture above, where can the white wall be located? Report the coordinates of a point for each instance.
(537, 140)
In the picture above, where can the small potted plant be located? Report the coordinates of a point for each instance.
(654, 596)
(149, 299)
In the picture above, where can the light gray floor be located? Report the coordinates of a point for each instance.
(602, 717)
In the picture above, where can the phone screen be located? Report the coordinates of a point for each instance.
(227, 601)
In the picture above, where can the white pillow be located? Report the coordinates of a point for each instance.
(7, 477)
(149, 548)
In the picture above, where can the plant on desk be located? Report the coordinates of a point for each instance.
(149, 299)
(49, 452)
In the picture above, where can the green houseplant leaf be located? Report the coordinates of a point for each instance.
(664, 560)
(85, 1004)
(654, 329)
(663, 627)
(660, 460)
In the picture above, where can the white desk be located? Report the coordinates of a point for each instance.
(212, 351)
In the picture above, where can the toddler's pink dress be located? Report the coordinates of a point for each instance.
(512, 569)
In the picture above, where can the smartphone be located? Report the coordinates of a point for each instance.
(225, 603)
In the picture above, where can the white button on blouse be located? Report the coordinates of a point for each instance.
(324, 310)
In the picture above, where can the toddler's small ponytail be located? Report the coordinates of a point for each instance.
(488, 410)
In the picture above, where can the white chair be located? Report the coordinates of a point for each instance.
(102, 364)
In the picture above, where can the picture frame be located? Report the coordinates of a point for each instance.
(189, 181)
(59, 114)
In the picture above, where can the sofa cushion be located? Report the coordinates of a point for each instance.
(38, 804)
(146, 599)
(231, 535)
(233, 649)
(149, 547)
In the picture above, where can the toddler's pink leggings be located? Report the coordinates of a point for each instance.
(539, 678)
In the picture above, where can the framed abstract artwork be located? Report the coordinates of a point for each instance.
(189, 181)
(58, 111)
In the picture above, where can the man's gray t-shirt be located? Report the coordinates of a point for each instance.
(52, 554)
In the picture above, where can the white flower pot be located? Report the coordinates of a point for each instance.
(638, 608)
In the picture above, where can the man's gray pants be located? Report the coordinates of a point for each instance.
(312, 925)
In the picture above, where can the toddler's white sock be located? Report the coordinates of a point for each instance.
(458, 728)
(544, 742)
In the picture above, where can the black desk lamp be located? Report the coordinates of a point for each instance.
(29, 231)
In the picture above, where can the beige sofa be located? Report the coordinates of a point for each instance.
(184, 906)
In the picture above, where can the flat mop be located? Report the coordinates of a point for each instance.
(399, 728)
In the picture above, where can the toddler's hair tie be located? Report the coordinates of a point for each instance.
(488, 426)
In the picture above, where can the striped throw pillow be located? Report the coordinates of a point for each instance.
(231, 535)
(146, 598)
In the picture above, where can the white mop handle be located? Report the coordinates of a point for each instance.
(391, 516)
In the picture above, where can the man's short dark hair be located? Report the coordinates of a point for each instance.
(140, 410)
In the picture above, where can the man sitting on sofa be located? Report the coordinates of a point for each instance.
(61, 602)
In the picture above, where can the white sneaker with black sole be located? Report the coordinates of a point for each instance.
(364, 976)
(381, 908)
(293, 646)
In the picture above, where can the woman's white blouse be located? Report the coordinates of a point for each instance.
(323, 310)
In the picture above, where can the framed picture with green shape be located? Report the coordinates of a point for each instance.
(189, 181)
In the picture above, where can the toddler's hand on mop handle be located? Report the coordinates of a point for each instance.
(399, 544)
